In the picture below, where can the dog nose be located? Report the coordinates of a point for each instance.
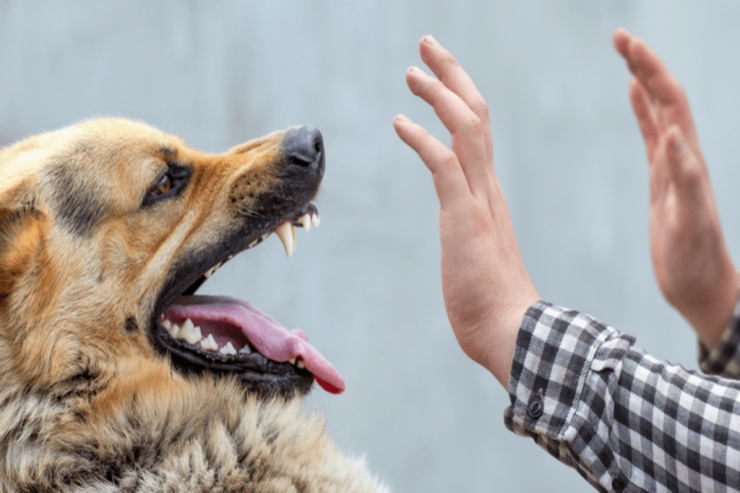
(304, 147)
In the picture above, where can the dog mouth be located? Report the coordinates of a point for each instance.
(230, 336)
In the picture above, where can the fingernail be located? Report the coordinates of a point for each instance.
(402, 119)
(429, 39)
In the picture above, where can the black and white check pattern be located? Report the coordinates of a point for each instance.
(625, 420)
(724, 358)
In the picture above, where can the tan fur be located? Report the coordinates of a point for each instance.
(86, 405)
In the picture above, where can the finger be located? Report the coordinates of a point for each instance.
(621, 39)
(468, 142)
(645, 64)
(449, 179)
(661, 85)
(645, 116)
(451, 74)
(655, 76)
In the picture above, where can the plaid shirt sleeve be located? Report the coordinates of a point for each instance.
(724, 358)
(624, 420)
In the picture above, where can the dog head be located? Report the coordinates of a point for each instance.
(108, 228)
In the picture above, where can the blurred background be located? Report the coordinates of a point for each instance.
(365, 286)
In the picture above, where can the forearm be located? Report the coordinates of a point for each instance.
(617, 414)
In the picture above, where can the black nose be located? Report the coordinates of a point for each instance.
(304, 147)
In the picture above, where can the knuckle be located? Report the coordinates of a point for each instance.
(449, 61)
(449, 159)
(476, 124)
(480, 108)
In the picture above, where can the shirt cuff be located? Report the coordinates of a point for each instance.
(554, 350)
(561, 370)
(724, 358)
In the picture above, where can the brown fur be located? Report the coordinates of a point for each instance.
(87, 403)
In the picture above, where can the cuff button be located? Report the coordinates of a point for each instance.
(535, 407)
(618, 485)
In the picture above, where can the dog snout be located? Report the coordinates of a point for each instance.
(304, 148)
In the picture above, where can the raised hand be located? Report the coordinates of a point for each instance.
(486, 287)
(691, 262)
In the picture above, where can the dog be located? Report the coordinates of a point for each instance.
(114, 375)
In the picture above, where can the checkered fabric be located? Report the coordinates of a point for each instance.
(724, 358)
(625, 420)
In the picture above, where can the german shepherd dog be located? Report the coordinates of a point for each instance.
(114, 375)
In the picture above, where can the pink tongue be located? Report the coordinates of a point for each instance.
(270, 338)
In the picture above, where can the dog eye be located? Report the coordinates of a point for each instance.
(164, 186)
(171, 184)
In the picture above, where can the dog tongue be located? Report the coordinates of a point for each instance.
(270, 338)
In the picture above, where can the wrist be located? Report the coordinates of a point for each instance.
(709, 316)
(499, 354)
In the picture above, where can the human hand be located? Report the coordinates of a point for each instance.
(691, 262)
(486, 288)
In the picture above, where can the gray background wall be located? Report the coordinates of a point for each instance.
(365, 286)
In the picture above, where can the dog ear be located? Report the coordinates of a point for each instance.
(20, 220)
(21, 233)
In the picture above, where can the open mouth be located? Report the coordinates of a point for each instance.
(229, 336)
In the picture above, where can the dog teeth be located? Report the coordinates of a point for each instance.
(228, 349)
(253, 243)
(300, 364)
(209, 343)
(189, 332)
(192, 334)
(286, 233)
(212, 270)
(305, 221)
(173, 329)
(291, 361)
(315, 221)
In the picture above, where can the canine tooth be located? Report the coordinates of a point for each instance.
(305, 220)
(245, 350)
(291, 361)
(228, 349)
(252, 244)
(212, 270)
(265, 235)
(209, 343)
(190, 333)
(230, 257)
(167, 324)
(300, 364)
(286, 233)
(315, 221)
